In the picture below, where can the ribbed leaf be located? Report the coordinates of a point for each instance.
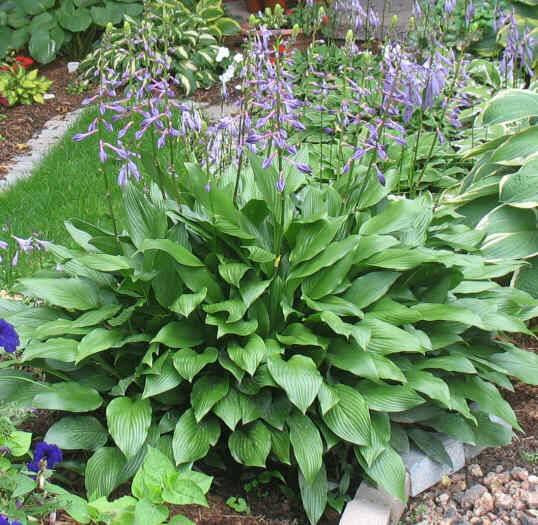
(192, 440)
(165, 380)
(298, 376)
(299, 334)
(229, 409)
(389, 398)
(71, 397)
(430, 385)
(314, 495)
(102, 471)
(430, 445)
(128, 423)
(510, 105)
(58, 348)
(98, 340)
(252, 445)
(180, 334)
(307, 445)
(188, 362)
(370, 287)
(206, 392)
(349, 419)
(74, 433)
(178, 252)
(249, 357)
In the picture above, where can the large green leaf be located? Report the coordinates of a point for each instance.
(249, 357)
(58, 348)
(388, 470)
(102, 472)
(430, 445)
(307, 445)
(314, 495)
(206, 392)
(387, 339)
(98, 340)
(146, 513)
(430, 385)
(349, 419)
(74, 433)
(510, 105)
(128, 423)
(165, 380)
(298, 376)
(299, 334)
(71, 397)
(230, 409)
(73, 294)
(370, 287)
(188, 362)
(192, 440)
(252, 445)
(520, 189)
(389, 398)
(517, 148)
(43, 47)
(178, 252)
(180, 334)
(34, 7)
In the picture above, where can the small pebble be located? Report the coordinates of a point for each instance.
(472, 495)
(443, 498)
(520, 473)
(504, 501)
(476, 471)
(499, 469)
(484, 504)
(533, 480)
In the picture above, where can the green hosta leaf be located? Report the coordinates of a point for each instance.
(299, 334)
(252, 445)
(165, 380)
(522, 364)
(510, 105)
(252, 288)
(34, 7)
(71, 397)
(43, 47)
(307, 445)
(388, 470)
(181, 491)
(229, 409)
(60, 349)
(430, 445)
(249, 357)
(387, 339)
(398, 438)
(489, 399)
(313, 238)
(228, 26)
(18, 443)
(402, 258)
(128, 423)
(389, 398)
(242, 328)
(280, 445)
(327, 397)
(491, 434)
(314, 495)
(334, 304)
(102, 472)
(450, 363)
(430, 385)
(187, 303)
(189, 362)
(517, 148)
(259, 255)
(73, 294)
(453, 425)
(178, 252)
(104, 262)
(122, 509)
(370, 287)
(146, 513)
(98, 340)
(333, 253)
(180, 334)
(178, 519)
(192, 440)
(447, 312)
(97, 316)
(233, 272)
(234, 307)
(349, 419)
(352, 359)
(74, 433)
(206, 392)
(298, 376)
(521, 189)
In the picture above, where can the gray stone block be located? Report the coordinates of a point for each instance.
(425, 472)
(365, 513)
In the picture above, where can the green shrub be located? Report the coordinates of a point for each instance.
(278, 327)
(20, 86)
(48, 26)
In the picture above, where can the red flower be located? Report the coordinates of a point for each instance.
(289, 11)
(24, 61)
(325, 19)
(281, 48)
(5, 68)
(3, 101)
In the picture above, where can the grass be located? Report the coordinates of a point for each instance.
(68, 183)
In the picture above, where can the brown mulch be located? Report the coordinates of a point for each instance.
(23, 122)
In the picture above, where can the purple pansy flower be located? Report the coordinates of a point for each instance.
(9, 339)
(49, 453)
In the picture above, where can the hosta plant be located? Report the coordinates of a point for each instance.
(47, 26)
(499, 196)
(20, 86)
(186, 41)
(267, 322)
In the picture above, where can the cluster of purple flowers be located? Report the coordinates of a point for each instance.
(45, 456)
(9, 339)
(518, 49)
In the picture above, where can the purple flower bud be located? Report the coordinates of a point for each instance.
(102, 153)
(3, 245)
(280, 183)
(207, 187)
(380, 176)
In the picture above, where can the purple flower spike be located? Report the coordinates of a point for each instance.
(280, 183)
(207, 187)
(51, 454)
(3, 245)
(380, 176)
(9, 339)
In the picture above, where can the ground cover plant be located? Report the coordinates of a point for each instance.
(292, 289)
(49, 27)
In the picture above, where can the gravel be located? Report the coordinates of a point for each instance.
(504, 496)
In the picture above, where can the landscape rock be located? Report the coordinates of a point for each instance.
(472, 495)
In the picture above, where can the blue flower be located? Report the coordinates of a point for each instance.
(9, 338)
(3, 520)
(43, 451)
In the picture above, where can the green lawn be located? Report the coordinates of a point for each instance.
(68, 183)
